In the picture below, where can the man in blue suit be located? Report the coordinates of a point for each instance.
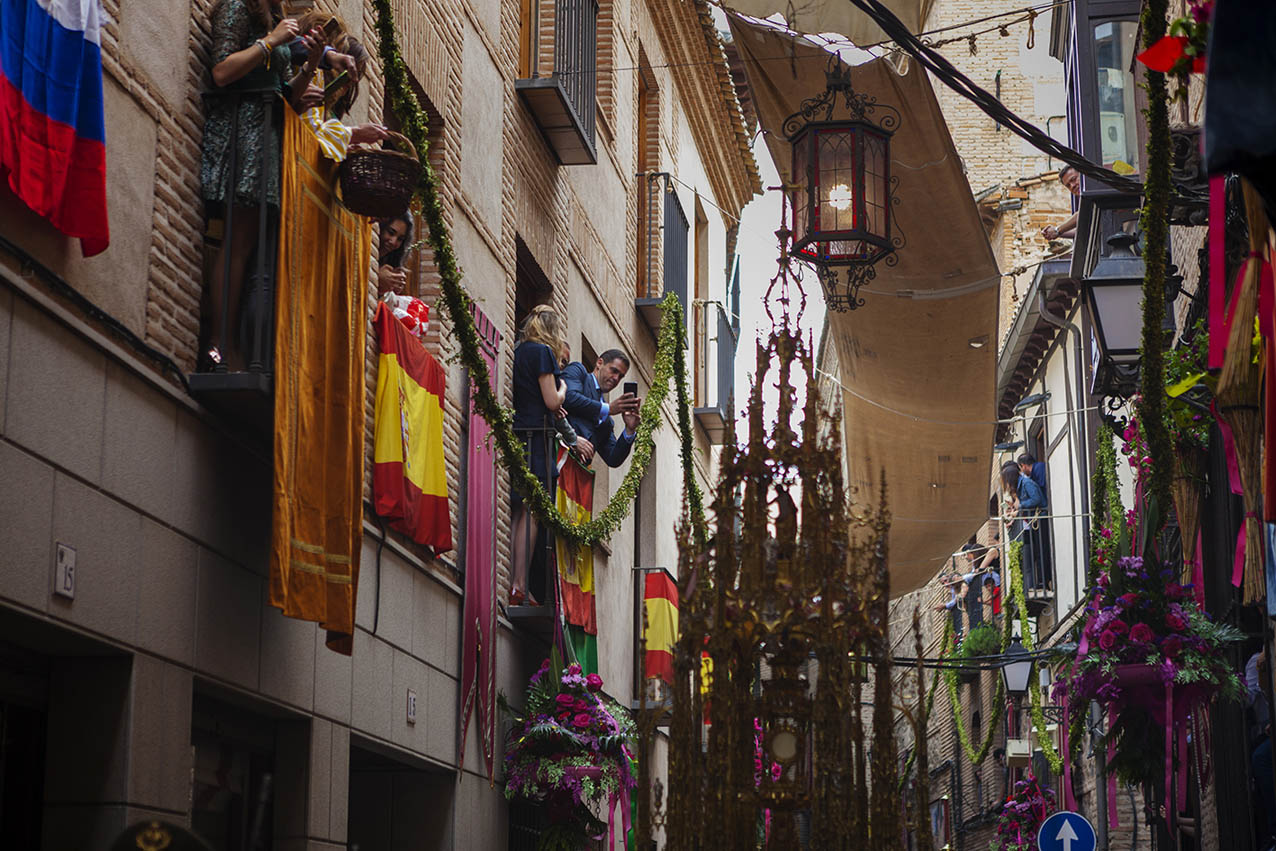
(590, 414)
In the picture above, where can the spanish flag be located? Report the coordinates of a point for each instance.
(576, 569)
(409, 483)
(660, 604)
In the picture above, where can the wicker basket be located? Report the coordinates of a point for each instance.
(378, 183)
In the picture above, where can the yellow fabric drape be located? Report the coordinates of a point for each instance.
(320, 324)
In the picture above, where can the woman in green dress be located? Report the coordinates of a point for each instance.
(251, 59)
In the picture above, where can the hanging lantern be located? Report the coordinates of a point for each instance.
(842, 192)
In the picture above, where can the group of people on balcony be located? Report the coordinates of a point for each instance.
(259, 57)
(974, 596)
(1023, 486)
(557, 402)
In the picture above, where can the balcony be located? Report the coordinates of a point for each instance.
(538, 619)
(663, 244)
(563, 101)
(715, 331)
(239, 316)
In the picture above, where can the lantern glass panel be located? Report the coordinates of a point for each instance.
(875, 184)
(801, 195)
(835, 181)
(1119, 312)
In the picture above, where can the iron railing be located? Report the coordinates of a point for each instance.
(676, 231)
(250, 330)
(714, 331)
(540, 582)
(576, 59)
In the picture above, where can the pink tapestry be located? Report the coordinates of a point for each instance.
(478, 639)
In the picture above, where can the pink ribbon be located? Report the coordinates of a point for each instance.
(1234, 481)
(1170, 812)
(1198, 573)
(1218, 267)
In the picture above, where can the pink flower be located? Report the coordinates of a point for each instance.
(1120, 627)
(1175, 591)
(581, 705)
(1175, 621)
(1127, 600)
(1106, 533)
(1107, 640)
(1142, 633)
(1103, 580)
(565, 701)
(582, 720)
(1172, 646)
(594, 682)
(573, 668)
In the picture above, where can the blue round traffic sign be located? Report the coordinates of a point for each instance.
(1066, 831)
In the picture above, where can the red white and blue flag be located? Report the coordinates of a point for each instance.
(52, 129)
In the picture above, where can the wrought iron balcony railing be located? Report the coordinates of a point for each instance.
(663, 234)
(563, 100)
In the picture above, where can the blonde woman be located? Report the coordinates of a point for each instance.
(538, 401)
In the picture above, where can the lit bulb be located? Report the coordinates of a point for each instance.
(840, 197)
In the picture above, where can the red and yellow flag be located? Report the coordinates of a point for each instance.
(576, 502)
(409, 482)
(660, 602)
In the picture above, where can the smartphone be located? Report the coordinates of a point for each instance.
(331, 28)
(631, 388)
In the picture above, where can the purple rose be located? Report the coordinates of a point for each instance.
(594, 682)
(1141, 633)
(1172, 646)
(1107, 640)
(582, 720)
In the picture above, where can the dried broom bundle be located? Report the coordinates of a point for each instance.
(1239, 397)
(1185, 490)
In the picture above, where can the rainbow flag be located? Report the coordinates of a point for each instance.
(52, 126)
(576, 570)
(660, 604)
(409, 482)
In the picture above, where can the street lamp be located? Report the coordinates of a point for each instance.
(841, 195)
(1017, 671)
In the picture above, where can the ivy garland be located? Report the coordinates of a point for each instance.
(669, 362)
(1154, 223)
(1014, 558)
(930, 703)
(977, 757)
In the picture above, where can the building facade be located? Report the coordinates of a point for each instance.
(142, 671)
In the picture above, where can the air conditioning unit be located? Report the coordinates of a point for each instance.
(1018, 753)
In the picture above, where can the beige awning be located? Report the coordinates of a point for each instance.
(837, 16)
(918, 396)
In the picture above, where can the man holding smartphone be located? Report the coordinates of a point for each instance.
(590, 413)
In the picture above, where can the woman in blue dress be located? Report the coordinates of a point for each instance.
(538, 401)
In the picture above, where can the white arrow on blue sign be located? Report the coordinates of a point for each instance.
(1066, 831)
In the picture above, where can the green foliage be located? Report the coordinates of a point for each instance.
(1014, 576)
(669, 363)
(983, 640)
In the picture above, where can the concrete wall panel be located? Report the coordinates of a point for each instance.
(167, 577)
(26, 528)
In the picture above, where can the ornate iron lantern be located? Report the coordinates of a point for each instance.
(843, 188)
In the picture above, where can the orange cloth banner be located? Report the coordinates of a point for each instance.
(320, 324)
(576, 502)
(409, 481)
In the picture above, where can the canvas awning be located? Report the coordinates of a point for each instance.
(918, 359)
(837, 16)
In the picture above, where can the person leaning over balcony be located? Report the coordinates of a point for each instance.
(538, 400)
(1067, 229)
(249, 53)
(1033, 469)
(396, 236)
(590, 413)
(1030, 499)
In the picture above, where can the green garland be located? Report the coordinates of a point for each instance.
(669, 362)
(1107, 522)
(1154, 223)
(930, 704)
(1014, 558)
(977, 757)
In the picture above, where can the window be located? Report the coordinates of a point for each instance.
(1114, 47)
(558, 71)
(701, 310)
(647, 143)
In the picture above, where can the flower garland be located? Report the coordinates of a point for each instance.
(1014, 558)
(669, 361)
